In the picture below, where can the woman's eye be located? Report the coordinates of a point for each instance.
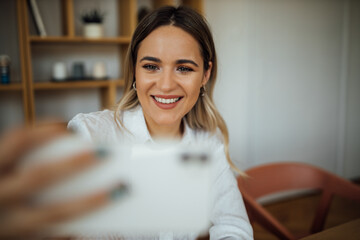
(185, 69)
(150, 67)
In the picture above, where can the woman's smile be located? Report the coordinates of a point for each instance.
(166, 101)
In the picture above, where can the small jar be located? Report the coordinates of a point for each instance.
(59, 72)
(5, 69)
(99, 70)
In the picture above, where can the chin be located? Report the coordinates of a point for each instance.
(167, 120)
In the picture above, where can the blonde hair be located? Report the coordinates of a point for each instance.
(204, 115)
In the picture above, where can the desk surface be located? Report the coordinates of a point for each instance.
(348, 231)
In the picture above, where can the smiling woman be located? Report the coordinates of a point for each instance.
(170, 74)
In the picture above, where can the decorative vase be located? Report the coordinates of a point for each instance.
(93, 30)
(59, 72)
(99, 70)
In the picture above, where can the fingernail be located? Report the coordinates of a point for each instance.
(101, 153)
(203, 157)
(119, 191)
(185, 157)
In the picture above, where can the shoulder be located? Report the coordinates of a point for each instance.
(91, 119)
(102, 126)
(130, 115)
(93, 125)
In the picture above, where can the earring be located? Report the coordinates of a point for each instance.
(134, 86)
(203, 90)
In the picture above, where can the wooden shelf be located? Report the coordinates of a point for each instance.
(77, 84)
(126, 14)
(114, 40)
(11, 87)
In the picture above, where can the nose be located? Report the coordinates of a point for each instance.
(166, 81)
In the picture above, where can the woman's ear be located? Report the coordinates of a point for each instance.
(207, 74)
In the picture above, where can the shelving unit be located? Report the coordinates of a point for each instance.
(115, 40)
(11, 87)
(127, 20)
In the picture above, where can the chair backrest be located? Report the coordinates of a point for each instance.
(277, 177)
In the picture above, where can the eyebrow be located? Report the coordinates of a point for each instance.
(180, 61)
(153, 59)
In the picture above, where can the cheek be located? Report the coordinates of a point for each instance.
(141, 86)
(137, 74)
(193, 91)
(140, 81)
(194, 86)
(196, 91)
(141, 91)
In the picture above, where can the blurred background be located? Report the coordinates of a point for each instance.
(288, 83)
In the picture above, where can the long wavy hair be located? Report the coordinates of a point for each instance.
(204, 115)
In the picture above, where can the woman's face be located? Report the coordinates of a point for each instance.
(169, 73)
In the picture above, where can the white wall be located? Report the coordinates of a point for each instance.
(352, 137)
(284, 69)
(288, 85)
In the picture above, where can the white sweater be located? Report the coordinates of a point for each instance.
(228, 215)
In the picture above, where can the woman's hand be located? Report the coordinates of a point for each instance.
(18, 216)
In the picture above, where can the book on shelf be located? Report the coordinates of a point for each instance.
(39, 24)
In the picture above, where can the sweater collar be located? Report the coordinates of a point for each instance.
(135, 122)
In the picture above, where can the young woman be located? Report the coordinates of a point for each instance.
(170, 76)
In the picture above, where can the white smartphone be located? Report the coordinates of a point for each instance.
(168, 188)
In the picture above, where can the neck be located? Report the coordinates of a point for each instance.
(166, 132)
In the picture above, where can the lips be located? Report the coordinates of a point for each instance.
(166, 101)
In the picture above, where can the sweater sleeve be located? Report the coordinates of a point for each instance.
(95, 127)
(80, 126)
(229, 217)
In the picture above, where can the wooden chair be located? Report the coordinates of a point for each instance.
(278, 177)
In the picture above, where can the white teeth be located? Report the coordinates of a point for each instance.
(166, 100)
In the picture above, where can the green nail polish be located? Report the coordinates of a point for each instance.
(101, 153)
(119, 192)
